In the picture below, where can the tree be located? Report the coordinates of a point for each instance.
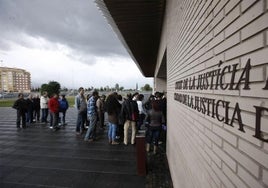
(51, 88)
(90, 88)
(116, 87)
(65, 89)
(107, 88)
(146, 87)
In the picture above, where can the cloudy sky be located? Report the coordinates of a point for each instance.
(68, 41)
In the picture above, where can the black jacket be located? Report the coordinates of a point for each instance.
(129, 110)
(20, 105)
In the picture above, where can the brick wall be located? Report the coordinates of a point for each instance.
(200, 37)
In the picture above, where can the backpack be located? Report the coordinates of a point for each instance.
(63, 105)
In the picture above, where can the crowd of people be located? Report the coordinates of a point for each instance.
(122, 114)
(117, 113)
(28, 110)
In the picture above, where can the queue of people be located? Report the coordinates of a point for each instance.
(28, 110)
(122, 114)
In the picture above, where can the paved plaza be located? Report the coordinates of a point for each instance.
(39, 157)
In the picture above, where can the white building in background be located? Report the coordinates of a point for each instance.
(14, 80)
(211, 57)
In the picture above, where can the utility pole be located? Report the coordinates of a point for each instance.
(1, 79)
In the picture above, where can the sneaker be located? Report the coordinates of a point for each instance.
(51, 127)
(115, 143)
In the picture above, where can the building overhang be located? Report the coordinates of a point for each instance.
(138, 24)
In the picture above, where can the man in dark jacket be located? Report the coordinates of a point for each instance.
(30, 109)
(129, 114)
(21, 106)
(36, 108)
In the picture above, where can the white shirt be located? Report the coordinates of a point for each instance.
(140, 107)
(43, 102)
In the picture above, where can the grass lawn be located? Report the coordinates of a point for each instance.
(10, 102)
(7, 102)
(70, 100)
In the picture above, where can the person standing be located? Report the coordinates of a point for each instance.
(100, 109)
(54, 106)
(148, 103)
(44, 107)
(113, 108)
(142, 112)
(21, 106)
(64, 105)
(129, 114)
(154, 119)
(36, 111)
(120, 127)
(30, 109)
(92, 117)
(81, 106)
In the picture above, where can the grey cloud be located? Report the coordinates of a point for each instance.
(77, 24)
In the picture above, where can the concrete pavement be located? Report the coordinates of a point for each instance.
(39, 157)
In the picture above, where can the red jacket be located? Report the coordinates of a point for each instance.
(53, 105)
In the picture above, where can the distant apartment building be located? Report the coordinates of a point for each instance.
(14, 80)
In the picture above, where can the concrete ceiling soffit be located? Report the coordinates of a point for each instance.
(138, 24)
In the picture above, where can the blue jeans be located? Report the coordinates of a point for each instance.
(112, 131)
(153, 136)
(140, 121)
(81, 119)
(44, 114)
(91, 131)
(62, 119)
(29, 116)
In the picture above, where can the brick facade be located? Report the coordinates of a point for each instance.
(212, 120)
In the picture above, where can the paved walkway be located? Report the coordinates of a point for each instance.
(39, 157)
